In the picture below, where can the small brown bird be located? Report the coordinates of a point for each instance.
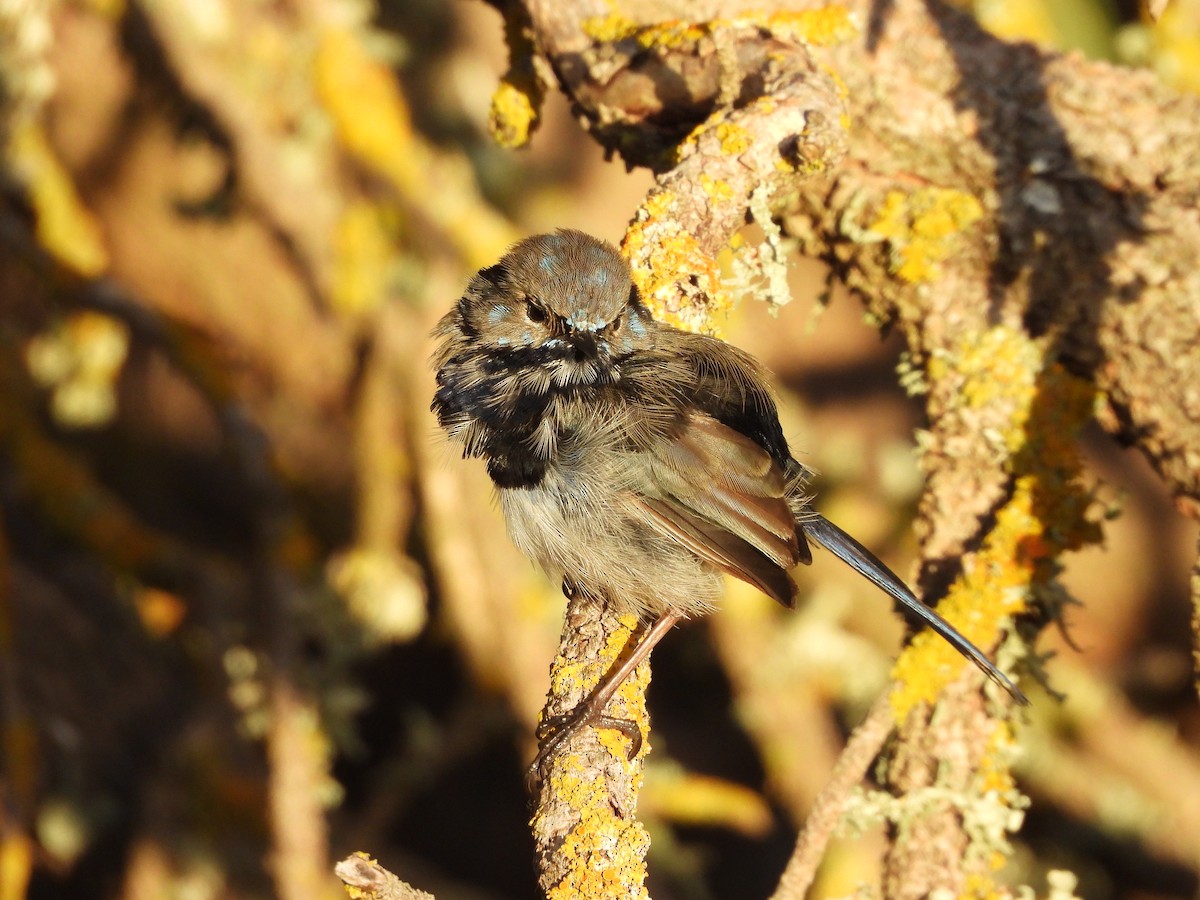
(637, 461)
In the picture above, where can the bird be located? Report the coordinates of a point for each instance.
(637, 461)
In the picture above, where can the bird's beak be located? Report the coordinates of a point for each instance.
(585, 344)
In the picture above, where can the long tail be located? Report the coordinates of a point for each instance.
(867, 564)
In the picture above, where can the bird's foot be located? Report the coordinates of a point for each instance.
(554, 733)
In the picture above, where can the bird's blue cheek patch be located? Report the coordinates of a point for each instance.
(503, 342)
(496, 314)
(527, 338)
(637, 326)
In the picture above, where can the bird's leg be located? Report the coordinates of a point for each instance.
(555, 732)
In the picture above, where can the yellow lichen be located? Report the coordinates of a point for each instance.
(764, 105)
(514, 113)
(65, 227)
(611, 28)
(604, 852)
(1046, 513)
(674, 34)
(708, 126)
(992, 587)
(664, 258)
(718, 189)
(517, 102)
(1000, 366)
(566, 674)
(823, 26)
(991, 774)
(735, 140)
(981, 887)
(920, 228)
(839, 83)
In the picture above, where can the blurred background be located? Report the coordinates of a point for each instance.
(254, 612)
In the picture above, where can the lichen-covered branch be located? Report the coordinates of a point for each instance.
(1025, 218)
(588, 840)
(723, 109)
(366, 879)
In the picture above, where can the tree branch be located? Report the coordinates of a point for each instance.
(588, 841)
(367, 879)
(1028, 219)
(861, 749)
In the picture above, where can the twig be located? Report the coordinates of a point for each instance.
(366, 879)
(864, 745)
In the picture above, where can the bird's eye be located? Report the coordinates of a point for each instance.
(614, 327)
(534, 313)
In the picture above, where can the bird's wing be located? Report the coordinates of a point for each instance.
(723, 497)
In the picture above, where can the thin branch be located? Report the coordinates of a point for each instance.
(369, 880)
(862, 748)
